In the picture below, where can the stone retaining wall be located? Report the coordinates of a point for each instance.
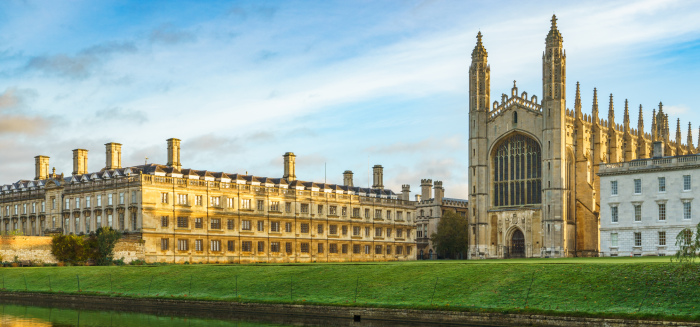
(38, 249)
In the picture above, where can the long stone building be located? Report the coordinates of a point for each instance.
(533, 165)
(187, 215)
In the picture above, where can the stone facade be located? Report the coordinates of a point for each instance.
(38, 249)
(203, 216)
(646, 204)
(429, 210)
(536, 163)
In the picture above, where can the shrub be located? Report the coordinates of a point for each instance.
(119, 262)
(69, 248)
(79, 248)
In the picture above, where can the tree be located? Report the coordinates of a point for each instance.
(77, 248)
(70, 248)
(687, 246)
(106, 239)
(452, 235)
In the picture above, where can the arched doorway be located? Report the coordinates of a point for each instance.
(517, 244)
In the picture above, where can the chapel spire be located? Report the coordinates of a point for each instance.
(611, 113)
(577, 102)
(640, 122)
(626, 118)
(479, 77)
(678, 132)
(654, 129)
(479, 50)
(595, 105)
(690, 138)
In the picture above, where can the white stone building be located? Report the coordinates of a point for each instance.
(646, 203)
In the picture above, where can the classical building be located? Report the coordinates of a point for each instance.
(647, 203)
(429, 210)
(203, 216)
(533, 165)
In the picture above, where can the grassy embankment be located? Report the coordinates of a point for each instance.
(604, 287)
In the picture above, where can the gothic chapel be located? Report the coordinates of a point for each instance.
(533, 165)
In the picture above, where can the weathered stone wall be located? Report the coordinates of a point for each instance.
(38, 249)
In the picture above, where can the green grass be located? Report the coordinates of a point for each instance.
(604, 287)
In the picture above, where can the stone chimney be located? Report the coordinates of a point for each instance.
(347, 178)
(425, 185)
(439, 192)
(290, 171)
(378, 177)
(406, 192)
(41, 167)
(174, 153)
(658, 149)
(418, 198)
(114, 155)
(80, 162)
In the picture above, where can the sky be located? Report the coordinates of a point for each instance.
(345, 85)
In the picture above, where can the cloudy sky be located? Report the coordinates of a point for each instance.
(339, 83)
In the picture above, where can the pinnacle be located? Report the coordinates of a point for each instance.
(554, 22)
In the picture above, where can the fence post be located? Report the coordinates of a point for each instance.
(149, 286)
(291, 288)
(78, 277)
(25, 281)
(50, 289)
(236, 286)
(190, 292)
(527, 297)
(110, 283)
(434, 288)
(357, 283)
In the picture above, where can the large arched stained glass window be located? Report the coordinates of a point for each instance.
(517, 172)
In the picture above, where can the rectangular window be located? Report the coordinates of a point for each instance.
(662, 184)
(304, 208)
(304, 247)
(356, 231)
(288, 247)
(333, 230)
(275, 206)
(275, 247)
(182, 199)
(320, 209)
(662, 238)
(399, 215)
(637, 239)
(247, 246)
(87, 202)
(121, 197)
(288, 227)
(215, 245)
(399, 250)
(320, 248)
(245, 204)
(53, 202)
(388, 232)
(229, 203)
(408, 250)
(215, 223)
(133, 196)
(164, 244)
(198, 223)
(333, 248)
(344, 211)
(388, 215)
(164, 221)
(366, 213)
(377, 213)
(245, 224)
(355, 212)
(367, 249)
(320, 228)
(288, 207)
(378, 232)
(686, 182)
(229, 224)
(231, 246)
(99, 201)
(367, 231)
(198, 200)
(275, 226)
(613, 187)
(356, 248)
(333, 210)
(637, 186)
(163, 198)
(110, 199)
(305, 228)
(399, 232)
(261, 205)
(34, 206)
(344, 249)
(77, 205)
(388, 249)
(345, 230)
(377, 249)
(637, 212)
(183, 222)
(198, 245)
(261, 246)
(43, 206)
(261, 226)
(662, 211)
(613, 212)
(183, 245)
(686, 210)
(215, 201)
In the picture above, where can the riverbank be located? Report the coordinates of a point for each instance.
(615, 288)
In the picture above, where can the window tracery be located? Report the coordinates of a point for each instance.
(517, 172)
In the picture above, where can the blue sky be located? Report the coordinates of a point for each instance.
(341, 83)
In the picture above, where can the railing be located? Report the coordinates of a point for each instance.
(662, 161)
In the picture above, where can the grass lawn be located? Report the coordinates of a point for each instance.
(647, 287)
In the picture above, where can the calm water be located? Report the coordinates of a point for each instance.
(16, 314)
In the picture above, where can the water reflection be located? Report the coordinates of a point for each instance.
(16, 313)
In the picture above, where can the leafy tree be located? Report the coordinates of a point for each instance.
(452, 235)
(687, 246)
(70, 248)
(106, 239)
(77, 248)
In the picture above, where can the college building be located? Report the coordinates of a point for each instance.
(187, 215)
(429, 211)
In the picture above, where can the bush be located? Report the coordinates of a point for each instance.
(119, 262)
(79, 248)
(69, 248)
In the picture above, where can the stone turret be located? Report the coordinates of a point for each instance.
(425, 185)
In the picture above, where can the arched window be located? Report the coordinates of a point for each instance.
(517, 172)
(515, 117)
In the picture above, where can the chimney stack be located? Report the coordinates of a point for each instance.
(658, 149)
(425, 185)
(80, 161)
(378, 174)
(439, 192)
(406, 192)
(41, 167)
(114, 155)
(290, 171)
(347, 178)
(418, 198)
(174, 153)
